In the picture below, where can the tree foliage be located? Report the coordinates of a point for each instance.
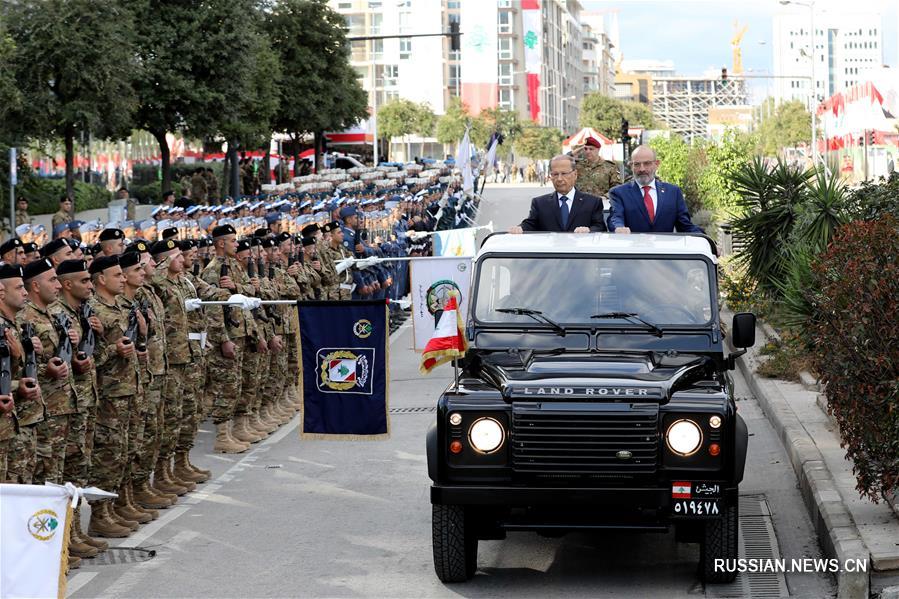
(604, 114)
(505, 122)
(10, 97)
(401, 117)
(74, 62)
(539, 143)
(785, 126)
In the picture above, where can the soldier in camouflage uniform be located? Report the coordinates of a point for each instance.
(230, 332)
(117, 384)
(295, 269)
(313, 269)
(327, 273)
(336, 253)
(54, 372)
(18, 440)
(76, 288)
(595, 175)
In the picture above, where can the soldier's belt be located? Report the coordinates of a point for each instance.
(201, 337)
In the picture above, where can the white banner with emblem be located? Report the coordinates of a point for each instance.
(431, 280)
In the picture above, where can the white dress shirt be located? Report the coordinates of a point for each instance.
(570, 196)
(652, 194)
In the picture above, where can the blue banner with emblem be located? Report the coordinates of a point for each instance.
(344, 351)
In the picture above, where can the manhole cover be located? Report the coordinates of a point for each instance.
(426, 410)
(121, 555)
(757, 541)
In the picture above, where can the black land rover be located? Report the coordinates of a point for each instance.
(595, 395)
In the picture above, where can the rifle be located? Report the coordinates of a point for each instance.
(226, 310)
(5, 363)
(64, 348)
(145, 310)
(260, 268)
(88, 338)
(132, 330)
(196, 268)
(29, 362)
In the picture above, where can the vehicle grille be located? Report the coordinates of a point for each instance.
(574, 440)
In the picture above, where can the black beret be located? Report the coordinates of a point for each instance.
(101, 263)
(243, 245)
(10, 271)
(205, 242)
(73, 243)
(67, 267)
(162, 246)
(334, 224)
(10, 244)
(30, 247)
(129, 259)
(260, 232)
(96, 249)
(53, 247)
(282, 237)
(170, 232)
(308, 241)
(309, 230)
(222, 230)
(255, 241)
(269, 243)
(140, 246)
(35, 268)
(111, 234)
(187, 244)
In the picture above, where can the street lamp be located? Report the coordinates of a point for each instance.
(814, 103)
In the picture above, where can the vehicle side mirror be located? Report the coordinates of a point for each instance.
(743, 330)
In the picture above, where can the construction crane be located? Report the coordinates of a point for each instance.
(739, 32)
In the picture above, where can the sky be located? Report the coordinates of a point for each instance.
(696, 34)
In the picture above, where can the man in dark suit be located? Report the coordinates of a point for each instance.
(647, 205)
(566, 210)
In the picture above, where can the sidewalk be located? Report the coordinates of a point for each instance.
(848, 527)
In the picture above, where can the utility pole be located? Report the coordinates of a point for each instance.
(13, 176)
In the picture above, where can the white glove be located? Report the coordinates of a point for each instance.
(192, 304)
(245, 302)
(402, 303)
(343, 265)
(367, 262)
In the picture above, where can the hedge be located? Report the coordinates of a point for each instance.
(43, 195)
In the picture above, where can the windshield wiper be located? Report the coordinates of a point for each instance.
(632, 317)
(536, 315)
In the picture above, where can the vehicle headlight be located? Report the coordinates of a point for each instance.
(684, 437)
(486, 435)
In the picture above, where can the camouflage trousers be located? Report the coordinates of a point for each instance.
(22, 457)
(4, 453)
(173, 402)
(52, 434)
(277, 381)
(136, 422)
(252, 368)
(192, 407)
(146, 459)
(293, 360)
(79, 443)
(108, 458)
(226, 377)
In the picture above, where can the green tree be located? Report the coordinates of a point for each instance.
(10, 98)
(724, 159)
(506, 122)
(604, 114)
(74, 64)
(785, 126)
(311, 41)
(401, 117)
(539, 143)
(682, 165)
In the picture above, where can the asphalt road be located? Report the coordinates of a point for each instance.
(352, 519)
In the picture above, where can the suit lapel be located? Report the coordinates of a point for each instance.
(554, 208)
(576, 203)
(640, 204)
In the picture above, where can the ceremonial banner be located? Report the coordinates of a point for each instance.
(532, 22)
(34, 528)
(455, 242)
(478, 22)
(344, 351)
(433, 280)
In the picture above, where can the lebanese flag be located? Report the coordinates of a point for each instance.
(681, 490)
(448, 341)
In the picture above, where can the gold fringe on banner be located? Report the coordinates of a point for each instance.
(64, 558)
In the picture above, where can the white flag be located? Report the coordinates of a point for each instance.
(33, 525)
(463, 163)
(432, 281)
(455, 242)
(491, 156)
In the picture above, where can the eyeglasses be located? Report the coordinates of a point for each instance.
(557, 175)
(648, 163)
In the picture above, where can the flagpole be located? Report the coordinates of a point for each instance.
(456, 374)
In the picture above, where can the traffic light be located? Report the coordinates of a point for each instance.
(723, 73)
(454, 34)
(871, 139)
(624, 130)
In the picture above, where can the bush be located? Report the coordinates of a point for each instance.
(43, 195)
(872, 200)
(856, 347)
(147, 194)
(786, 358)
(736, 287)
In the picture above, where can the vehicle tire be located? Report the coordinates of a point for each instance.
(719, 542)
(455, 543)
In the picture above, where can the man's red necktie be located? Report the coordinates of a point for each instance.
(647, 201)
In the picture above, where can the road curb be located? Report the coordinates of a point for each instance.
(837, 533)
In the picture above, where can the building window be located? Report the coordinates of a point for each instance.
(344, 5)
(386, 75)
(374, 4)
(377, 49)
(505, 48)
(405, 19)
(356, 25)
(505, 74)
(405, 48)
(455, 71)
(454, 4)
(504, 21)
(505, 98)
(376, 21)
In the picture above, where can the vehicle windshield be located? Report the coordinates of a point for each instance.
(661, 291)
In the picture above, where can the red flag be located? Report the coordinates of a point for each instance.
(448, 341)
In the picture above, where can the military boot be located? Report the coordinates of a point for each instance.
(123, 510)
(269, 418)
(240, 431)
(144, 497)
(116, 514)
(283, 414)
(76, 528)
(134, 506)
(190, 486)
(224, 442)
(77, 546)
(293, 397)
(206, 474)
(102, 524)
(183, 471)
(262, 425)
(163, 482)
(74, 562)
